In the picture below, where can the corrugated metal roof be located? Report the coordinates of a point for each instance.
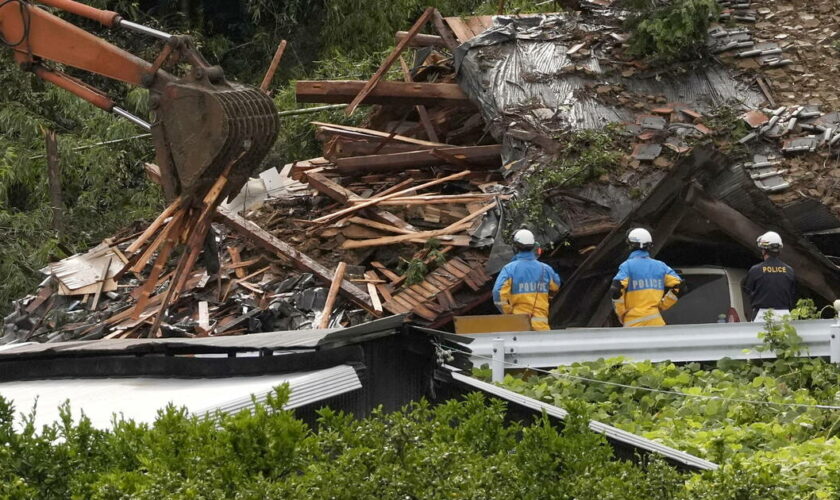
(140, 398)
(612, 433)
(295, 339)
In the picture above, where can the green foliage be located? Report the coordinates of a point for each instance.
(414, 270)
(103, 187)
(767, 451)
(585, 155)
(672, 31)
(806, 309)
(350, 21)
(460, 449)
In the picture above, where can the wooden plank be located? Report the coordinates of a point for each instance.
(374, 296)
(444, 199)
(421, 40)
(389, 61)
(269, 242)
(385, 271)
(338, 278)
(342, 195)
(486, 156)
(154, 226)
(386, 93)
(378, 225)
(331, 127)
(396, 187)
(444, 30)
(103, 276)
(390, 240)
(272, 68)
(468, 28)
(421, 110)
(374, 201)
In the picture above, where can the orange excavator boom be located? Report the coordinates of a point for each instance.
(201, 123)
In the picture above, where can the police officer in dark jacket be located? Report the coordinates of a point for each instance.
(771, 284)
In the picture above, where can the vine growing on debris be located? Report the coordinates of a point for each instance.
(585, 155)
(760, 417)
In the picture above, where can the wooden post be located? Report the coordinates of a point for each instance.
(272, 68)
(421, 110)
(501, 9)
(103, 275)
(391, 59)
(54, 177)
(338, 277)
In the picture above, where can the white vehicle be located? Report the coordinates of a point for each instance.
(714, 296)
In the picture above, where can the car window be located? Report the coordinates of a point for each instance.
(706, 300)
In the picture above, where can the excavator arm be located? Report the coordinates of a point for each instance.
(201, 123)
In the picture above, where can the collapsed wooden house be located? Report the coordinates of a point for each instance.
(408, 214)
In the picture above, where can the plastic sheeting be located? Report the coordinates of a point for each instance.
(520, 71)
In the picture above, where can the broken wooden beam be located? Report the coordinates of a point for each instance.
(421, 236)
(338, 277)
(489, 156)
(393, 93)
(372, 281)
(444, 30)
(374, 81)
(272, 68)
(343, 195)
(421, 110)
(269, 242)
(373, 201)
(810, 270)
(359, 132)
(421, 40)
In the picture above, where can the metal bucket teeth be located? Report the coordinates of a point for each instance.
(233, 120)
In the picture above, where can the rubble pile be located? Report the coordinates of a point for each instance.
(404, 215)
(93, 295)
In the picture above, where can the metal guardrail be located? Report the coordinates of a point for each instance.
(678, 343)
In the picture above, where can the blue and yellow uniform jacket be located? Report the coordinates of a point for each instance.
(644, 282)
(524, 286)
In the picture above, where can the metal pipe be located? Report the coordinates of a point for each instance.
(144, 29)
(132, 118)
(498, 359)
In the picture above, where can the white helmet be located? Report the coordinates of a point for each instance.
(639, 238)
(524, 239)
(769, 241)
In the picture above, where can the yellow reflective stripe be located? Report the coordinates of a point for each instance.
(643, 318)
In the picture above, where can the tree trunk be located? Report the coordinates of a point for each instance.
(54, 175)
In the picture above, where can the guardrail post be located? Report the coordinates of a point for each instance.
(498, 364)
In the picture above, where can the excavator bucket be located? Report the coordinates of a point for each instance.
(204, 127)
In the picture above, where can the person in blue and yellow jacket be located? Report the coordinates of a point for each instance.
(644, 287)
(525, 284)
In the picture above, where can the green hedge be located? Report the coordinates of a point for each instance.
(460, 449)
